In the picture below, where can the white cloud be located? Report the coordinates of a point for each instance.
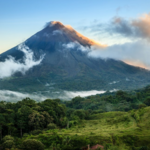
(137, 53)
(73, 45)
(72, 94)
(70, 45)
(46, 35)
(14, 96)
(55, 32)
(11, 66)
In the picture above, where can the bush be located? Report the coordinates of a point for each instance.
(8, 141)
(51, 126)
(8, 137)
(73, 123)
(36, 132)
(8, 144)
(25, 135)
(141, 106)
(32, 144)
(77, 142)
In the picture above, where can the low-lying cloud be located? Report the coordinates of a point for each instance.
(77, 46)
(13, 96)
(136, 53)
(72, 94)
(11, 66)
(55, 32)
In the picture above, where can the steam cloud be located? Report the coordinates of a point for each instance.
(11, 66)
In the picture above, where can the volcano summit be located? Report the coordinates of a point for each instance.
(65, 64)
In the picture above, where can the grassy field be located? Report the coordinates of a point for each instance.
(121, 129)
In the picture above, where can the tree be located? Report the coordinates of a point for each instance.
(27, 102)
(47, 118)
(147, 101)
(10, 120)
(76, 102)
(55, 109)
(80, 113)
(2, 122)
(36, 120)
(22, 117)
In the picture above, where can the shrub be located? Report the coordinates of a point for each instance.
(32, 144)
(8, 144)
(73, 123)
(8, 141)
(141, 106)
(36, 132)
(51, 126)
(8, 137)
(77, 142)
(25, 135)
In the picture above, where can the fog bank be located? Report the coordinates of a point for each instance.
(13, 96)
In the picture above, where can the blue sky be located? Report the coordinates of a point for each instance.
(19, 19)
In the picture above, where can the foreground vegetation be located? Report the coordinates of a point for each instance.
(117, 121)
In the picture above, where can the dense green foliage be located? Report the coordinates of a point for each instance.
(116, 101)
(32, 144)
(115, 120)
(27, 115)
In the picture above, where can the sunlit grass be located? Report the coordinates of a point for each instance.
(121, 129)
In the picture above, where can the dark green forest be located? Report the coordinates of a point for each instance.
(118, 120)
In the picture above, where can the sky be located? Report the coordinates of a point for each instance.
(115, 23)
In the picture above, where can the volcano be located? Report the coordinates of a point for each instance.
(66, 64)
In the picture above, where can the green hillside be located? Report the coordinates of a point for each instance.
(72, 125)
(114, 130)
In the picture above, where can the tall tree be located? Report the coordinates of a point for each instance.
(22, 117)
